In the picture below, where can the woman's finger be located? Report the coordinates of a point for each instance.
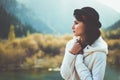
(76, 48)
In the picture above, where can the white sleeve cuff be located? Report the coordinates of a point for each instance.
(79, 59)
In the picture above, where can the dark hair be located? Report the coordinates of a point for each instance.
(90, 17)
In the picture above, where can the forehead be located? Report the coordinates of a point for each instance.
(79, 22)
(75, 20)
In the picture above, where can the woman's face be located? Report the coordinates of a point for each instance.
(78, 28)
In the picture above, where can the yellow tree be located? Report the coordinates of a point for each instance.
(28, 33)
(11, 35)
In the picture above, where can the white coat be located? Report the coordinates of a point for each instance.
(88, 66)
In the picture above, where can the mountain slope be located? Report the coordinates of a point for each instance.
(55, 16)
(60, 13)
(25, 16)
(113, 32)
(6, 19)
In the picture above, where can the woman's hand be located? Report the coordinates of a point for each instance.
(76, 49)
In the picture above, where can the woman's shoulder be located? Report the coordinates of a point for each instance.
(71, 41)
(100, 55)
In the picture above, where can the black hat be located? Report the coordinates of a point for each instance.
(89, 16)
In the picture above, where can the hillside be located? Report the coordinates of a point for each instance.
(57, 18)
(113, 32)
(14, 13)
(7, 19)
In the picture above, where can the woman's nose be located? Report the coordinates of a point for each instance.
(73, 27)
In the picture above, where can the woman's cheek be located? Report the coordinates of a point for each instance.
(77, 30)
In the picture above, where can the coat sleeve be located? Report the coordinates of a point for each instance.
(68, 63)
(98, 69)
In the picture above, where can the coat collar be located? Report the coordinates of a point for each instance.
(98, 46)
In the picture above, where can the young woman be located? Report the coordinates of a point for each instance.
(85, 54)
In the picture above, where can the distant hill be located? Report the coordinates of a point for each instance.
(53, 19)
(59, 13)
(6, 19)
(12, 12)
(113, 32)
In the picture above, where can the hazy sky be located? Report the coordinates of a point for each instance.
(115, 4)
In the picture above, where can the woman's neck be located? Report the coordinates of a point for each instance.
(82, 38)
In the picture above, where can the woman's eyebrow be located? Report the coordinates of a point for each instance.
(75, 21)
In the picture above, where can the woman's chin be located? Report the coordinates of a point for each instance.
(75, 34)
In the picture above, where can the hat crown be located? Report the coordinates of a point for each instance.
(88, 15)
(91, 12)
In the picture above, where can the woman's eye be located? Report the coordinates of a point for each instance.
(75, 23)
